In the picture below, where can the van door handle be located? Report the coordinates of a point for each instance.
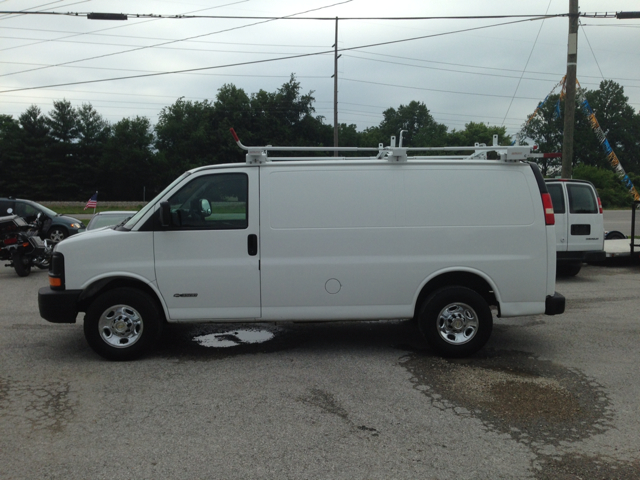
(252, 244)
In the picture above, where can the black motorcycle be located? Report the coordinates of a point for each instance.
(21, 245)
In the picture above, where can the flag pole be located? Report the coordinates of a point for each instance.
(94, 208)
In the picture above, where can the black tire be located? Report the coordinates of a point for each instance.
(122, 324)
(57, 234)
(615, 235)
(21, 264)
(455, 321)
(568, 270)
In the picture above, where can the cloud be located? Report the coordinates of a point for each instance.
(494, 75)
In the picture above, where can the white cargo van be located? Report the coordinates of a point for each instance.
(299, 239)
(579, 224)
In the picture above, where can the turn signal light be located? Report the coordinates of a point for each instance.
(55, 282)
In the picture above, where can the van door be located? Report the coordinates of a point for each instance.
(207, 261)
(585, 224)
(560, 209)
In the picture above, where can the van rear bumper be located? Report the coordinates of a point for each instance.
(554, 304)
(58, 306)
(581, 256)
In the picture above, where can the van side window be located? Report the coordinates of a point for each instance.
(581, 199)
(557, 197)
(212, 202)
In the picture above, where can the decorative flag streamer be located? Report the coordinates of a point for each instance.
(604, 143)
(595, 126)
(92, 202)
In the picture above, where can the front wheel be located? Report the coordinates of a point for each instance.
(21, 264)
(122, 324)
(455, 321)
(57, 234)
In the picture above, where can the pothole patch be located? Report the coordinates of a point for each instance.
(234, 338)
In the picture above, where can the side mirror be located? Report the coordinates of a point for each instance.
(165, 214)
(205, 206)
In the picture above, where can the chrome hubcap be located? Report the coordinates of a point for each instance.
(120, 326)
(457, 323)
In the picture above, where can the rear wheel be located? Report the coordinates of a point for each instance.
(122, 324)
(21, 264)
(455, 321)
(568, 270)
(615, 235)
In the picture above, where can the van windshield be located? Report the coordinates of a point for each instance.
(136, 218)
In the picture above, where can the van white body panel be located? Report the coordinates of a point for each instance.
(351, 239)
(99, 254)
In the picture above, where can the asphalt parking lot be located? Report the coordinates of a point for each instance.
(547, 398)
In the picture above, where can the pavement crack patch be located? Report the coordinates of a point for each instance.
(47, 406)
(327, 403)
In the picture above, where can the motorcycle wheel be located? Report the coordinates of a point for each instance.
(41, 262)
(21, 264)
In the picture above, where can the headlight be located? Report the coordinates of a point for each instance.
(75, 225)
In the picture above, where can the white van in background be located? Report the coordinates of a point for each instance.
(438, 239)
(579, 224)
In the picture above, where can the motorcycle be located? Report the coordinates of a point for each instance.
(21, 245)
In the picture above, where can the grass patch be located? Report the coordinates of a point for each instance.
(67, 208)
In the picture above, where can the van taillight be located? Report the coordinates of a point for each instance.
(599, 205)
(549, 217)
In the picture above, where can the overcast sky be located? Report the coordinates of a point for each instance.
(495, 75)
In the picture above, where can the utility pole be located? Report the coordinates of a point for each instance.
(335, 92)
(570, 96)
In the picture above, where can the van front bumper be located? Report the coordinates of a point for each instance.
(554, 304)
(58, 306)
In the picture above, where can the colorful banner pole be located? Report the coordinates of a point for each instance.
(604, 143)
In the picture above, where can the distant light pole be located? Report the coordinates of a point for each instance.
(335, 91)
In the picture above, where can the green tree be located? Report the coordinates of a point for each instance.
(615, 117)
(185, 135)
(93, 131)
(286, 117)
(421, 129)
(62, 164)
(611, 192)
(478, 133)
(545, 129)
(128, 168)
(35, 141)
(10, 154)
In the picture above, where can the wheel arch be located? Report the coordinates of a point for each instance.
(98, 287)
(461, 278)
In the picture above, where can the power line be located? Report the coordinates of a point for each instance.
(270, 18)
(526, 65)
(180, 40)
(137, 37)
(433, 89)
(291, 57)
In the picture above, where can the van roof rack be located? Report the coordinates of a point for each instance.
(397, 154)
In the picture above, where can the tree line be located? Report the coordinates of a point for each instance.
(71, 152)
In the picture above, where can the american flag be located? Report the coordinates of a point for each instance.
(93, 201)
